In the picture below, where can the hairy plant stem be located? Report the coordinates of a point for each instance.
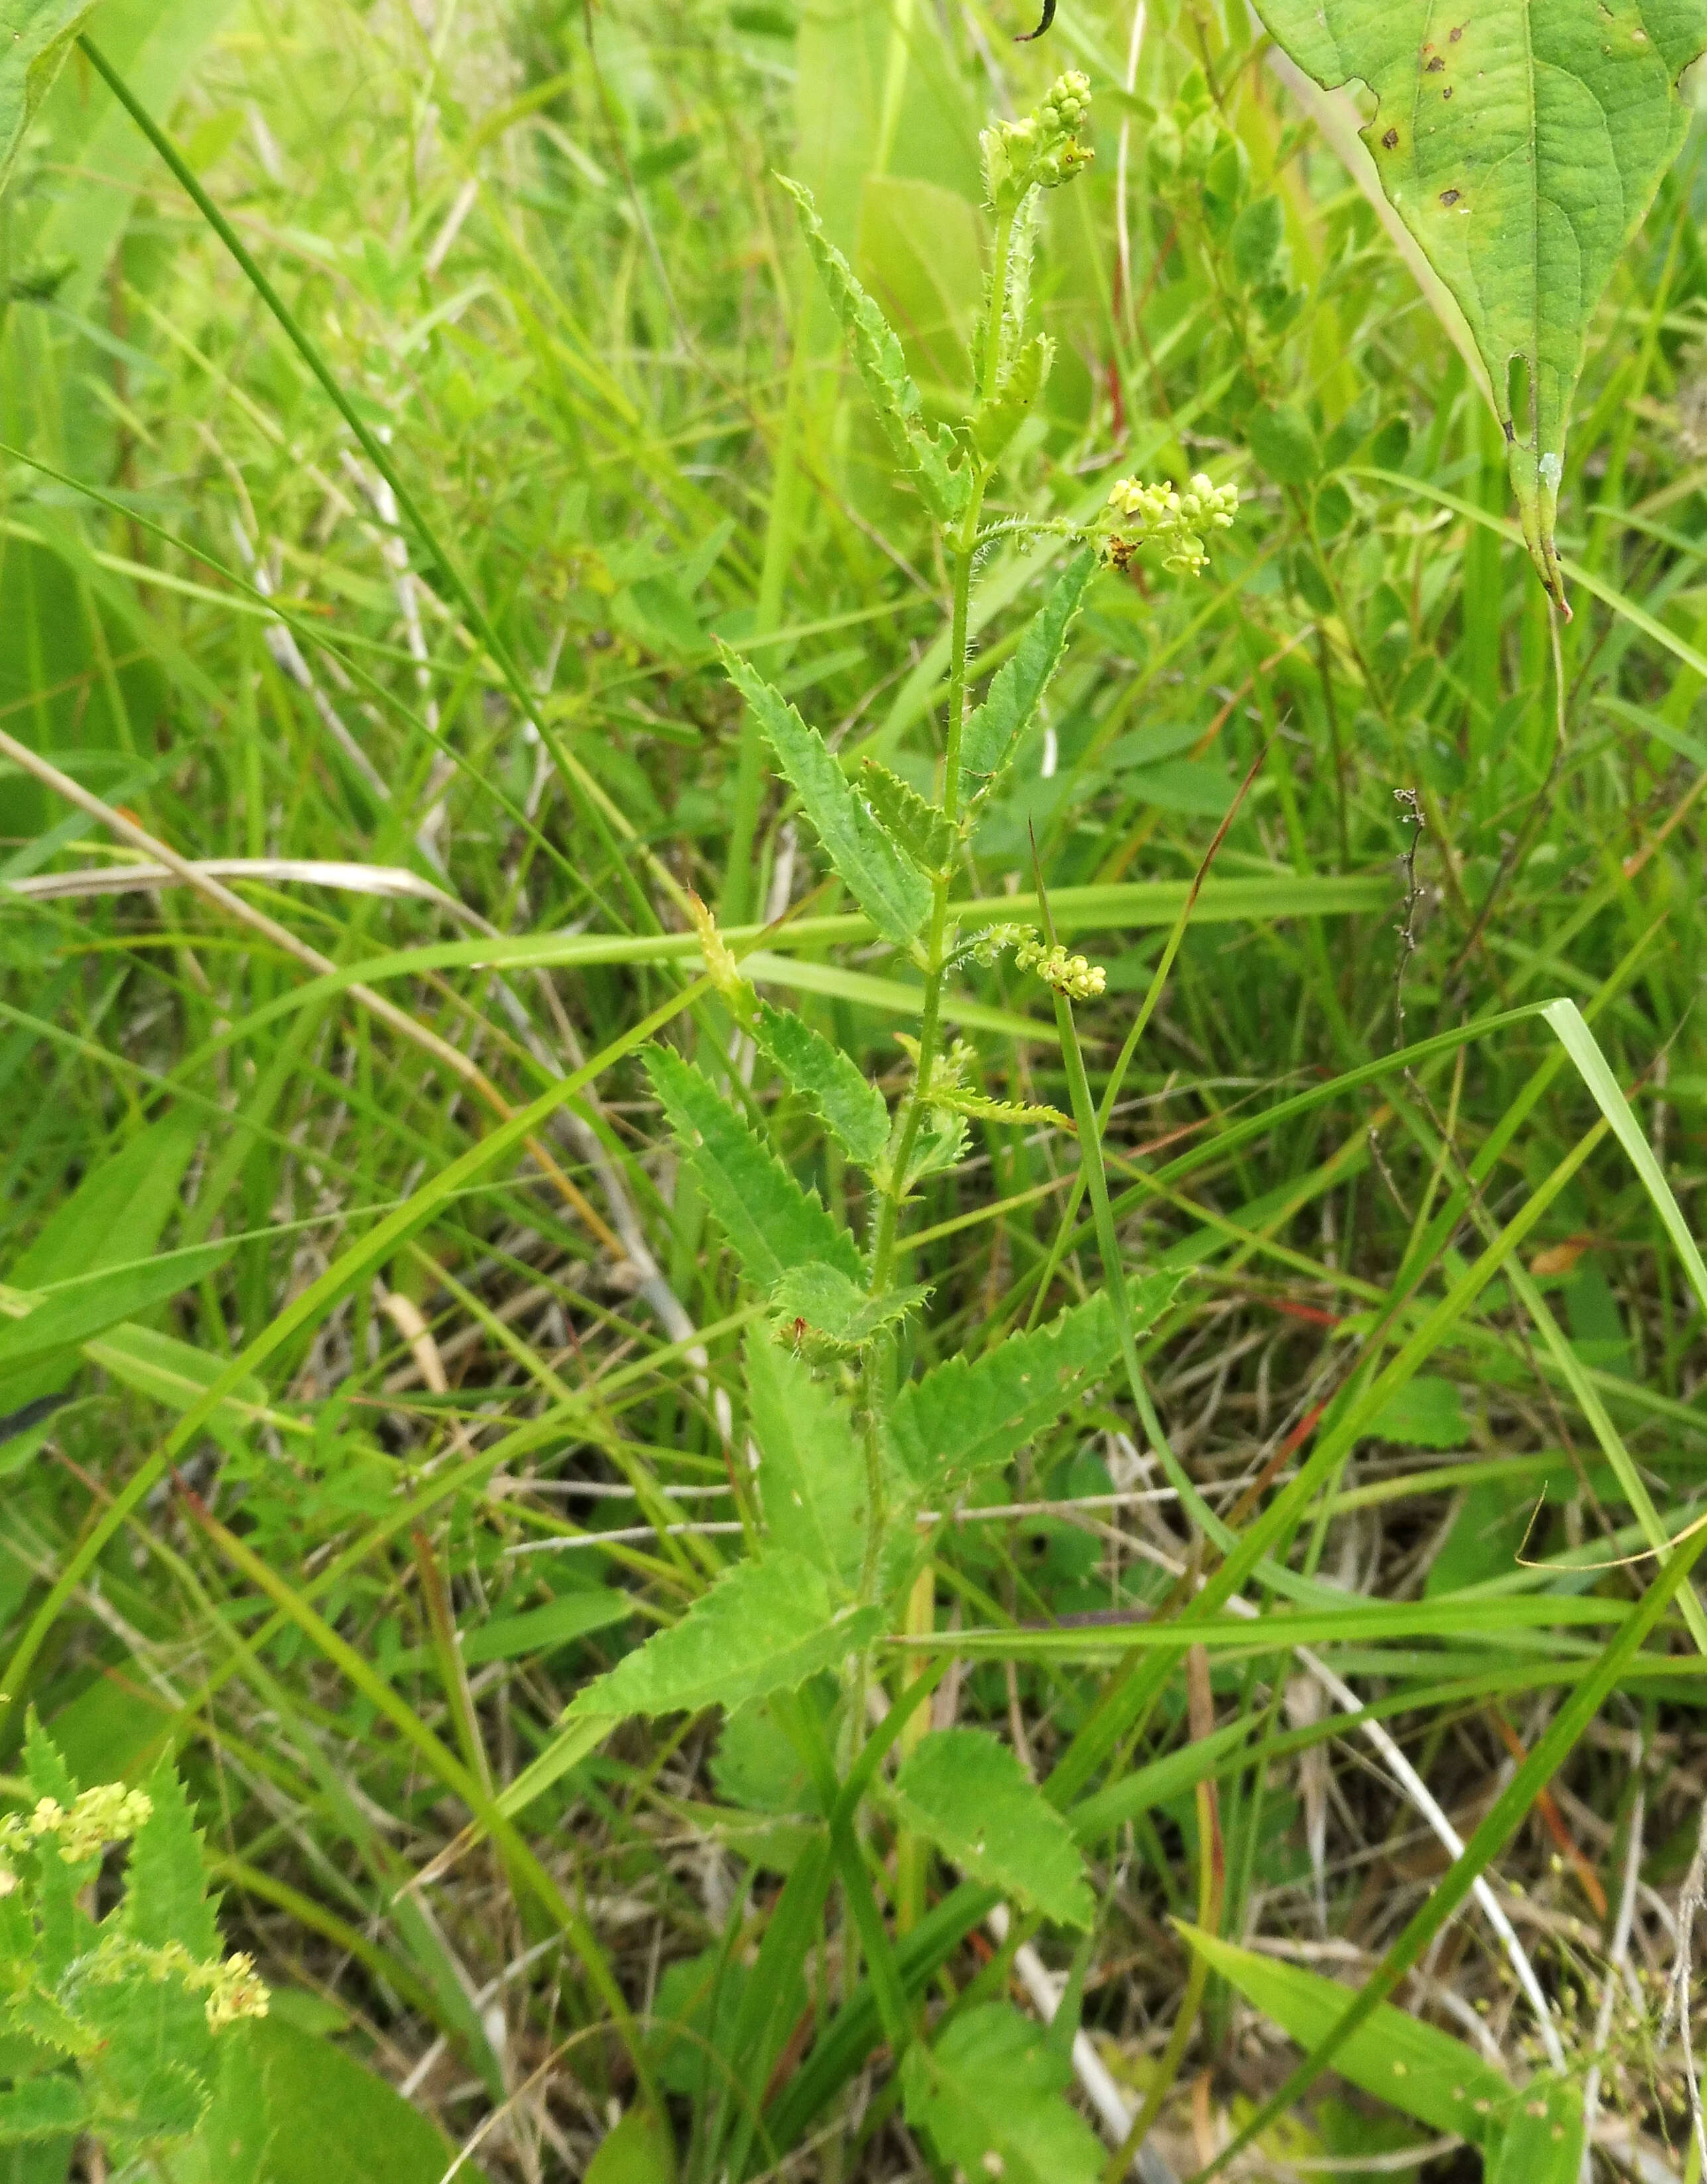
(963, 547)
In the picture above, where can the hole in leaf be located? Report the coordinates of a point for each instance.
(1517, 394)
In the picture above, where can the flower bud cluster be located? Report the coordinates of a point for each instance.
(1041, 152)
(1176, 522)
(110, 1813)
(1070, 975)
(986, 946)
(235, 1990)
(232, 1987)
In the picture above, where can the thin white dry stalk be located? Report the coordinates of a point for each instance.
(1678, 1999)
(391, 882)
(288, 658)
(395, 554)
(1088, 2066)
(1122, 229)
(1616, 1956)
(1418, 1791)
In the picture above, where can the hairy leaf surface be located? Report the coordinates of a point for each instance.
(772, 1223)
(971, 1414)
(811, 1473)
(165, 1898)
(764, 1626)
(1522, 144)
(989, 2094)
(970, 1795)
(883, 882)
(838, 1310)
(997, 420)
(931, 459)
(921, 829)
(1017, 690)
(832, 1084)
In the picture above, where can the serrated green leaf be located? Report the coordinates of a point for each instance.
(921, 829)
(971, 1414)
(931, 459)
(994, 422)
(50, 2107)
(772, 1223)
(882, 881)
(165, 1896)
(65, 1929)
(34, 37)
(1521, 146)
(812, 1471)
(835, 1087)
(836, 1310)
(969, 1794)
(1413, 2066)
(1017, 690)
(762, 1627)
(989, 2095)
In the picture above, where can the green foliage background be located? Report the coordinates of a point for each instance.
(543, 251)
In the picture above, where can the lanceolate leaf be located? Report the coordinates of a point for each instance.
(1412, 2065)
(1018, 687)
(931, 458)
(882, 881)
(832, 1085)
(772, 1223)
(72, 1312)
(811, 1474)
(971, 1414)
(764, 1626)
(921, 829)
(1520, 143)
(34, 37)
(989, 2094)
(971, 1796)
(1544, 2142)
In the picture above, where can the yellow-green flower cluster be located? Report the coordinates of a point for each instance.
(110, 1813)
(1174, 521)
(233, 1987)
(1070, 975)
(1041, 152)
(235, 1990)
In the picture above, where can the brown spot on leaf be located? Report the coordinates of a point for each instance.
(1435, 66)
(1390, 139)
(1447, 93)
(1450, 197)
(1456, 35)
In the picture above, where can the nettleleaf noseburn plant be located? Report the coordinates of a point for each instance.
(854, 1457)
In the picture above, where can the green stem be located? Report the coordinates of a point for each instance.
(963, 546)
